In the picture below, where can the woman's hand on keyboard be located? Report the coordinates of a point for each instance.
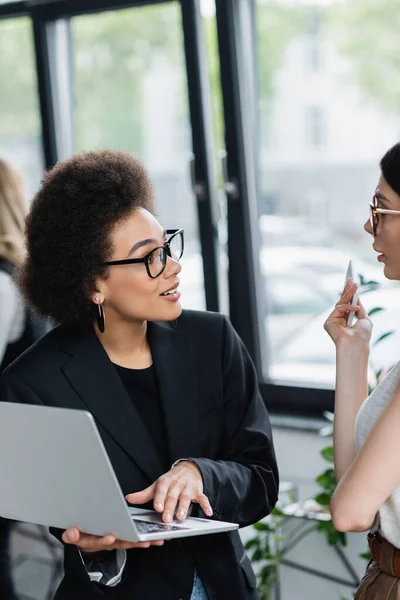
(94, 543)
(175, 491)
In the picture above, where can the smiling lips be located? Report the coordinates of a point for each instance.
(380, 256)
(172, 294)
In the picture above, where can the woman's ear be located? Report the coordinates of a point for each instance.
(97, 298)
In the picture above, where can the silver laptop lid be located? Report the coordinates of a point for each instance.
(54, 470)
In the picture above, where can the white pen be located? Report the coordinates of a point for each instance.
(354, 300)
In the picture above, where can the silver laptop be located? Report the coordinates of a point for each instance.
(54, 471)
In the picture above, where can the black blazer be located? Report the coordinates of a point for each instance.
(214, 414)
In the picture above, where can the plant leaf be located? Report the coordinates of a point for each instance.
(327, 453)
(323, 499)
(324, 526)
(364, 281)
(262, 527)
(252, 543)
(276, 512)
(327, 479)
(257, 555)
(375, 310)
(382, 337)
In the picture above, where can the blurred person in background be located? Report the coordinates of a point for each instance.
(367, 429)
(173, 392)
(18, 328)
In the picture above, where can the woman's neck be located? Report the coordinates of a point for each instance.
(126, 344)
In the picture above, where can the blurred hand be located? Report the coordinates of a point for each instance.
(94, 543)
(336, 323)
(176, 489)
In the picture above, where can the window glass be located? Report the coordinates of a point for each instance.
(20, 128)
(328, 112)
(131, 94)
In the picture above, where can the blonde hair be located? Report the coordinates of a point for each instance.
(13, 210)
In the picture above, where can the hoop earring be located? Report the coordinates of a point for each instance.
(100, 318)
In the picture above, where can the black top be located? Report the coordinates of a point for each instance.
(142, 387)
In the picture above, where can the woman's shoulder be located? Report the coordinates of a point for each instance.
(200, 319)
(211, 331)
(41, 356)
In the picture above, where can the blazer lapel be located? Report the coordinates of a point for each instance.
(92, 375)
(178, 385)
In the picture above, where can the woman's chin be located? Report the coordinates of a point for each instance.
(390, 273)
(173, 312)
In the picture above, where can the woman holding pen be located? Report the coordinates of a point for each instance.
(367, 428)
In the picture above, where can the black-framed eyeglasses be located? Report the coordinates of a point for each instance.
(156, 260)
(376, 211)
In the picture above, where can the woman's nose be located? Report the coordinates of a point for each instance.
(173, 267)
(368, 228)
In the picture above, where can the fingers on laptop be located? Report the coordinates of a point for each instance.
(184, 505)
(94, 543)
(177, 497)
(205, 504)
(178, 493)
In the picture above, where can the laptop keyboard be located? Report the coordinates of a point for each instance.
(146, 527)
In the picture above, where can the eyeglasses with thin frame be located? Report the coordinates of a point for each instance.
(156, 260)
(376, 211)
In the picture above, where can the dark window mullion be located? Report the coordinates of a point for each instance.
(54, 9)
(43, 73)
(200, 115)
(13, 9)
(243, 247)
(303, 401)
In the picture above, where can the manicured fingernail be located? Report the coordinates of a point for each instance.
(210, 511)
(167, 517)
(71, 535)
(181, 513)
(158, 506)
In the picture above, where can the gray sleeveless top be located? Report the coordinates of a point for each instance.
(388, 521)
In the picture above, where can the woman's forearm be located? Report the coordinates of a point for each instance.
(351, 391)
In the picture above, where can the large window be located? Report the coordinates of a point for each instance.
(20, 130)
(271, 179)
(130, 93)
(328, 111)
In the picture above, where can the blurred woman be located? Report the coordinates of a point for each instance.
(18, 330)
(367, 429)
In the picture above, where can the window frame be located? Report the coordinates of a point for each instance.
(239, 90)
(246, 302)
(44, 14)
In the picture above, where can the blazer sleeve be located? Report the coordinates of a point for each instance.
(243, 485)
(105, 568)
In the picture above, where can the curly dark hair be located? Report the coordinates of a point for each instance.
(390, 167)
(68, 230)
